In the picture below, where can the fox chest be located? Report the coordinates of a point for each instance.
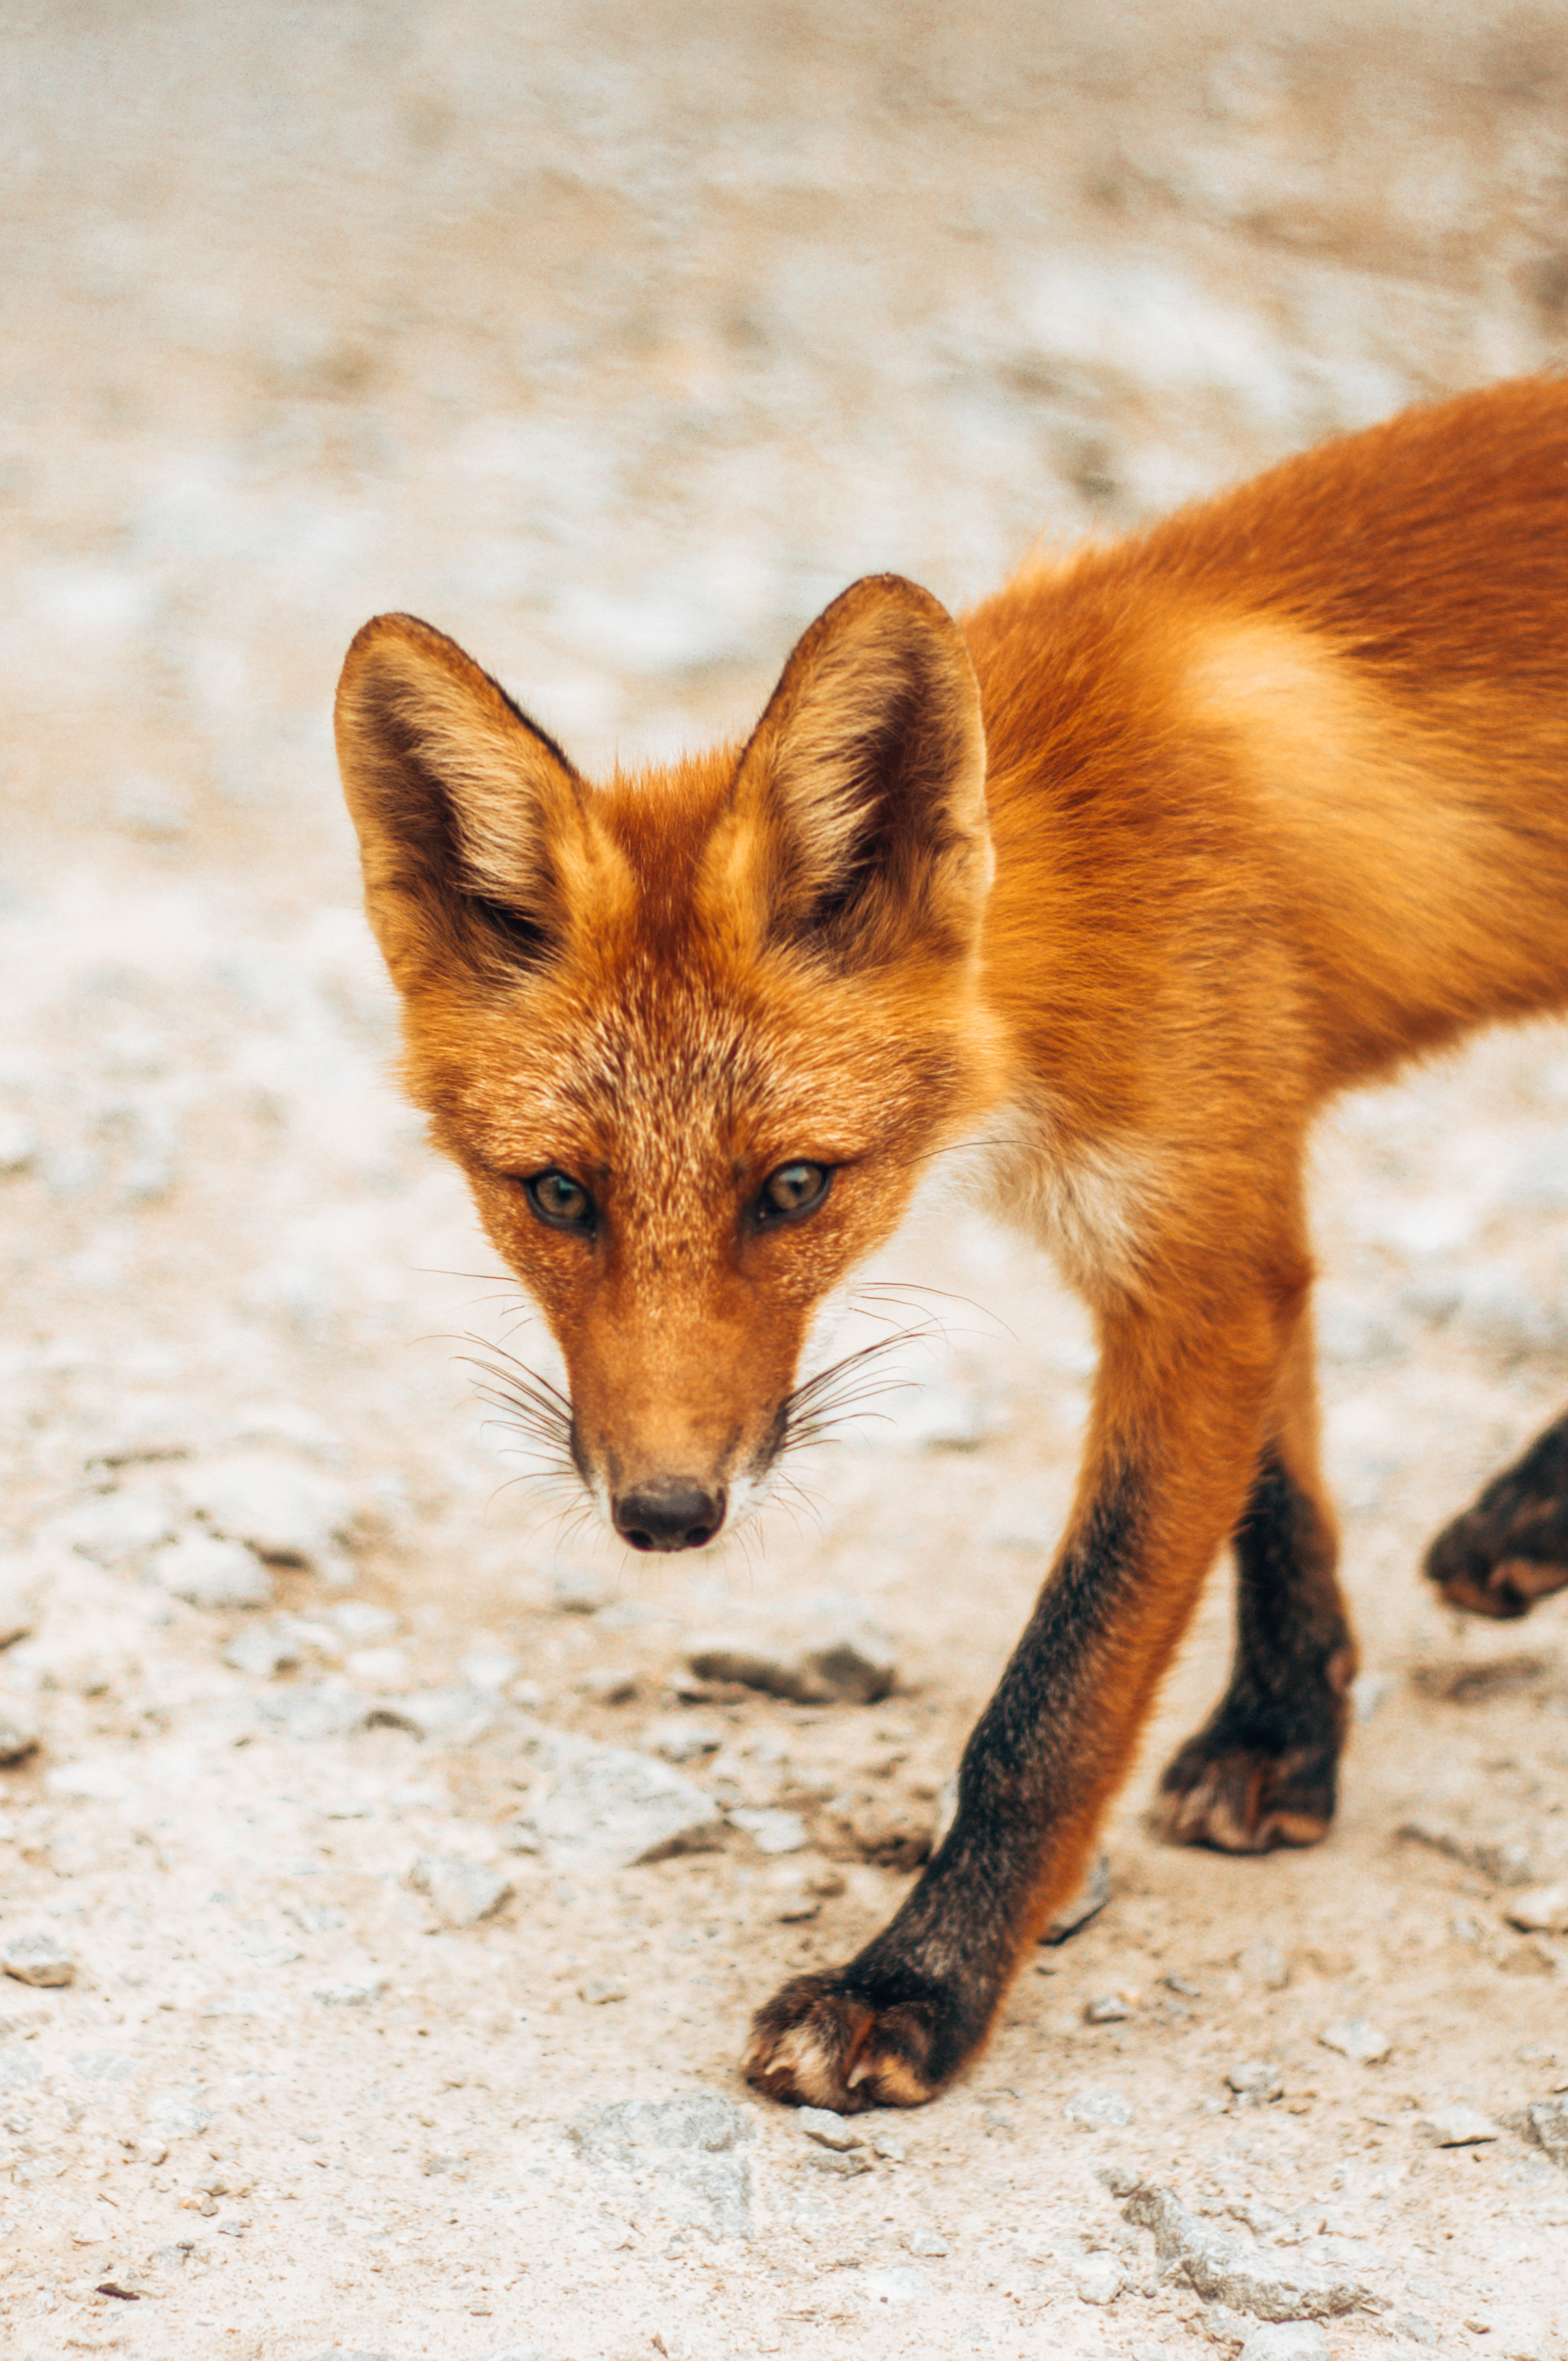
(1091, 1205)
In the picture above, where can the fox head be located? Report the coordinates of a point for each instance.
(690, 1034)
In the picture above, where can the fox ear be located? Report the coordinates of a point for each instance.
(864, 782)
(467, 813)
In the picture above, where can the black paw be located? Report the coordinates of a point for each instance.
(1236, 1797)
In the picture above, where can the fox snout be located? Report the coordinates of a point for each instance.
(668, 1512)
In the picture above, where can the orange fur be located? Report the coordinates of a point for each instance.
(1128, 872)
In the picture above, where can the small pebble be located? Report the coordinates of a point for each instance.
(1287, 2340)
(1355, 2038)
(1098, 2278)
(489, 1668)
(350, 1992)
(1410, 2324)
(1264, 1965)
(925, 2243)
(1099, 2109)
(829, 2161)
(828, 2129)
(207, 1572)
(1543, 1910)
(581, 1589)
(791, 1897)
(462, 1892)
(616, 1687)
(599, 1990)
(830, 1656)
(262, 1651)
(1109, 2008)
(362, 1620)
(681, 1737)
(19, 1731)
(902, 2284)
(1548, 2120)
(18, 1146)
(380, 1668)
(36, 1957)
(888, 2146)
(20, 1589)
(773, 1831)
(1459, 2126)
(268, 1500)
(1255, 2082)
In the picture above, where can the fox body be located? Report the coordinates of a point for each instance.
(1122, 874)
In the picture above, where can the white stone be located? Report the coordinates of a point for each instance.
(450, 1717)
(1459, 2126)
(901, 2285)
(281, 1508)
(19, 1730)
(1287, 2340)
(378, 1667)
(21, 1583)
(773, 1831)
(462, 1892)
(581, 1589)
(1099, 2109)
(1356, 2038)
(603, 1808)
(35, 1956)
(681, 1737)
(1098, 2278)
(116, 1528)
(361, 1619)
(828, 2129)
(1264, 1965)
(828, 1655)
(490, 1668)
(1543, 1910)
(350, 1992)
(211, 1573)
(263, 1649)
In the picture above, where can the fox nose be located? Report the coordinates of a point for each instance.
(668, 1512)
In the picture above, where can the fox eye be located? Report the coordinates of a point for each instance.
(560, 1200)
(795, 1190)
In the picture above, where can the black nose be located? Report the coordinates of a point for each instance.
(669, 1512)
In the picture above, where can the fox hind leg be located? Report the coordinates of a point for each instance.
(1263, 1771)
(1510, 1547)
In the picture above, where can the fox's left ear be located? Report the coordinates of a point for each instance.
(860, 800)
(470, 819)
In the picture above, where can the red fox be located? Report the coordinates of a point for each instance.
(1126, 872)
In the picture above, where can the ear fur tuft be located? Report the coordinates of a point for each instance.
(865, 779)
(463, 808)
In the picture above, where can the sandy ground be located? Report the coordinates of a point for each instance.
(614, 342)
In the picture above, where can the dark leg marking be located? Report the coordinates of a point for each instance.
(1262, 1770)
(896, 2023)
(1512, 1547)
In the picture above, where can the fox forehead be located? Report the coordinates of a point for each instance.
(664, 1071)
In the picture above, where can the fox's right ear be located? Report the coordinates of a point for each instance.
(469, 817)
(860, 800)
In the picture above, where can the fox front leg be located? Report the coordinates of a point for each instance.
(1180, 1418)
